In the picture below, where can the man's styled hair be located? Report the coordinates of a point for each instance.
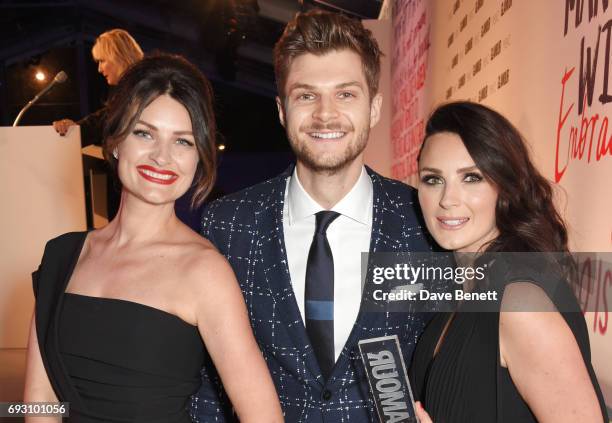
(319, 32)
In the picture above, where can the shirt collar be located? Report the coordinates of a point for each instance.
(356, 204)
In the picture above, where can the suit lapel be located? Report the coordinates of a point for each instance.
(384, 223)
(269, 216)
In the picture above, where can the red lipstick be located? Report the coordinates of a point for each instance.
(158, 176)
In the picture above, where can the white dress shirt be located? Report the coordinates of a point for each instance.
(348, 236)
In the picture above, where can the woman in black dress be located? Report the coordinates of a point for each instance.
(127, 315)
(114, 51)
(481, 194)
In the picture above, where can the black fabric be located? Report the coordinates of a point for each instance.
(319, 294)
(464, 381)
(113, 360)
(92, 133)
(92, 127)
(50, 281)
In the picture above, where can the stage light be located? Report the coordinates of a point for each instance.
(40, 76)
(221, 147)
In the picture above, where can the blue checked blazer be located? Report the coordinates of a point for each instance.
(247, 228)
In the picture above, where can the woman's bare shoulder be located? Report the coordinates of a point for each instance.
(210, 283)
(191, 247)
(530, 323)
(203, 265)
(526, 296)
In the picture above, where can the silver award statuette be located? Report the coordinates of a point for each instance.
(388, 379)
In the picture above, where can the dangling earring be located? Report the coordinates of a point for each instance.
(115, 153)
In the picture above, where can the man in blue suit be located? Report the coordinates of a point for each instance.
(295, 241)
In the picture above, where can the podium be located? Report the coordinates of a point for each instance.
(97, 187)
(41, 187)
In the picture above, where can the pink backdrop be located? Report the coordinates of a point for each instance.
(546, 66)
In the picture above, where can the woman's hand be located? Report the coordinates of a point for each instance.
(421, 413)
(62, 126)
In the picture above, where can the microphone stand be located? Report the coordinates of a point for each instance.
(59, 78)
(23, 110)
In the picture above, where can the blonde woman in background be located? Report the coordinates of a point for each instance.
(114, 51)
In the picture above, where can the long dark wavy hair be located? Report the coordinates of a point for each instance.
(525, 215)
(149, 78)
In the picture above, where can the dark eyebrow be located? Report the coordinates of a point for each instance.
(299, 85)
(431, 169)
(438, 171)
(467, 169)
(153, 127)
(350, 84)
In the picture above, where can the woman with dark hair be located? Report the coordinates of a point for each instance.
(127, 315)
(480, 194)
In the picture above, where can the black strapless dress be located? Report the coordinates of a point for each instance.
(113, 360)
(128, 361)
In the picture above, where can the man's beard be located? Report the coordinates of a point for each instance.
(333, 163)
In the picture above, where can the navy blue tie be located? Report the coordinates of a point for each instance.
(319, 294)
